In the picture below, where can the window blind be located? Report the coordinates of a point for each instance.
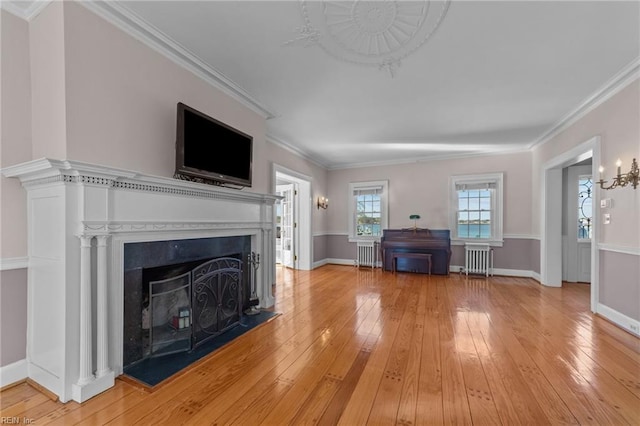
(475, 186)
(373, 190)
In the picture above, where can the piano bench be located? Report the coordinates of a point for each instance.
(425, 256)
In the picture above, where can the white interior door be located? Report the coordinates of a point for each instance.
(286, 227)
(578, 214)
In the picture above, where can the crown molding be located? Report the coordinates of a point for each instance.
(294, 150)
(135, 26)
(428, 159)
(615, 84)
(33, 10)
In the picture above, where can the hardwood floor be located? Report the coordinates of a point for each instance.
(356, 346)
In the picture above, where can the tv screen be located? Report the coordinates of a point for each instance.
(210, 150)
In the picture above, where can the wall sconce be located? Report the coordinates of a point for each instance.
(622, 179)
(323, 203)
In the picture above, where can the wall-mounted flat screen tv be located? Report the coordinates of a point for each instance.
(211, 151)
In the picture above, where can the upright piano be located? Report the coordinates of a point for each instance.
(436, 242)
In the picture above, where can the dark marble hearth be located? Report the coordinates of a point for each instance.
(152, 371)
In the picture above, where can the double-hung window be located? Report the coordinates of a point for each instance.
(367, 209)
(476, 208)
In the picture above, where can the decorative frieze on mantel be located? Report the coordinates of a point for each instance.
(123, 227)
(80, 218)
(46, 171)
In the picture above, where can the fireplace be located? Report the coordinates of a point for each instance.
(180, 293)
(83, 219)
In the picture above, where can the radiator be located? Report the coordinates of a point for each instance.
(478, 259)
(367, 254)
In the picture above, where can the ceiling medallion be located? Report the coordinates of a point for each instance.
(374, 33)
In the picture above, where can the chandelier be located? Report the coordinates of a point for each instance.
(622, 179)
(371, 33)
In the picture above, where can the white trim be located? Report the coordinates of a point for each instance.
(497, 206)
(329, 234)
(334, 261)
(45, 171)
(627, 323)
(351, 208)
(84, 198)
(443, 157)
(320, 263)
(463, 242)
(293, 149)
(13, 373)
(551, 216)
(455, 269)
(303, 214)
(33, 10)
(513, 272)
(11, 263)
(615, 84)
(520, 237)
(123, 18)
(634, 251)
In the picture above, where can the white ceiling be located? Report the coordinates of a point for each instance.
(493, 77)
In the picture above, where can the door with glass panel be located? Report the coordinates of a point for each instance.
(585, 228)
(285, 227)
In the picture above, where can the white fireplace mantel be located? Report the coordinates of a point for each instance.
(80, 216)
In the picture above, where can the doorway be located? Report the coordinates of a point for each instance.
(293, 219)
(551, 211)
(286, 224)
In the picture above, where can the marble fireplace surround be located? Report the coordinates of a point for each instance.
(80, 216)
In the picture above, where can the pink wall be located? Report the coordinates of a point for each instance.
(15, 133)
(423, 188)
(122, 96)
(275, 154)
(47, 50)
(617, 122)
(74, 86)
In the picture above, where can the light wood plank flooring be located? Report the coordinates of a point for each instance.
(356, 346)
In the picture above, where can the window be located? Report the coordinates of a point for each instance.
(367, 210)
(585, 213)
(476, 208)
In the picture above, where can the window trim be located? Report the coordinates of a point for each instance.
(497, 205)
(384, 208)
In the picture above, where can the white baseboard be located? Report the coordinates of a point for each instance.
(320, 263)
(348, 262)
(629, 324)
(513, 272)
(13, 373)
(503, 272)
